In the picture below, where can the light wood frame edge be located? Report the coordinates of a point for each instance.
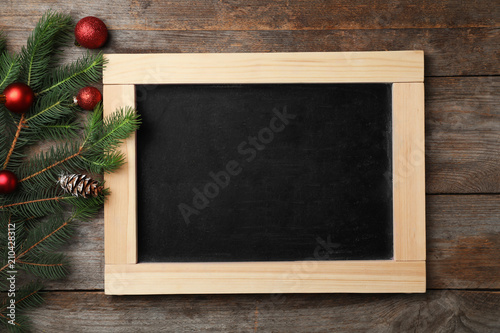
(408, 160)
(122, 269)
(120, 232)
(266, 277)
(289, 67)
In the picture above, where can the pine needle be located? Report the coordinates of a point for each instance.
(4, 128)
(46, 265)
(9, 69)
(52, 31)
(60, 130)
(45, 238)
(26, 298)
(73, 77)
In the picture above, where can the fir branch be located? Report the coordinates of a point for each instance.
(4, 129)
(72, 77)
(9, 69)
(99, 138)
(49, 110)
(21, 125)
(46, 237)
(28, 223)
(6, 220)
(17, 327)
(27, 297)
(9, 124)
(24, 204)
(86, 209)
(53, 165)
(60, 130)
(53, 108)
(42, 170)
(3, 42)
(52, 31)
(37, 205)
(105, 135)
(49, 266)
(107, 163)
(35, 255)
(31, 201)
(115, 128)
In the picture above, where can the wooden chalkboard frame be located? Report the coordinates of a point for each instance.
(404, 273)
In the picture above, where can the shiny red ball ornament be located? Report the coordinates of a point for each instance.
(8, 182)
(91, 32)
(17, 97)
(88, 97)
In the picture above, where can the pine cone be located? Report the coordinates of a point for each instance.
(80, 185)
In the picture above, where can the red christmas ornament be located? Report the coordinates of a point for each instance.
(91, 32)
(8, 182)
(88, 97)
(17, 97)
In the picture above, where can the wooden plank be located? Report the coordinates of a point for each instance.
(295, 67)
(266, 277)
(464, 163)
(120, 207)
(463, 235)
(273, 15)
(436, 311)
(408, 162)
(439, 45)
(463, 135)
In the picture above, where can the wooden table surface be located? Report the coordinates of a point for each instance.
(461, 43)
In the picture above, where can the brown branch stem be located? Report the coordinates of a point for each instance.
(36, 244)
(53, 165)
(8, 318)
(21, 125)
(44, 238)
(35, 264)
(22, 299)
(32, 201)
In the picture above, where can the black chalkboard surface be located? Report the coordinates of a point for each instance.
(264, 172)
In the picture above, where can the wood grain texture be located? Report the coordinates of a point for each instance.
(383, 276)
(275, 67)
(463, 237)
(463, 135)
(408, 173)
(436, 311)
(448, 52)
(259, 15)
(120, 234)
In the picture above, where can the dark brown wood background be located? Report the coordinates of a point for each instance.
(461, 43)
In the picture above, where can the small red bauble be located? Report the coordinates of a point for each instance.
(88, 97)
(8, 182)
(17, 97)
(91, 32)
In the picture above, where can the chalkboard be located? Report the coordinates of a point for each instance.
(264, 172)
(273, 172)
